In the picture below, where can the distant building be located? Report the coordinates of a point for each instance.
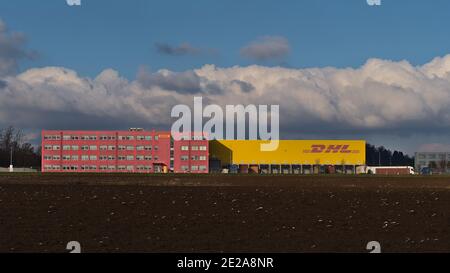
(434, 161)
(134, 151)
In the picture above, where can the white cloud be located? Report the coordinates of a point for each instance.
(381, 97)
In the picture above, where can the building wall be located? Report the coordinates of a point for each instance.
(126, 151)
(290, 152)
(191, 156)
(438, 161)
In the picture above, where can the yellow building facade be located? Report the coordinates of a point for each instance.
(289, 152)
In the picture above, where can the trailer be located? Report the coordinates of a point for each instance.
(386, 170)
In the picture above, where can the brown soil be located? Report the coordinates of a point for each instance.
(135, 213)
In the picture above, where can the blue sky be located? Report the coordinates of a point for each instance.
(122, 34)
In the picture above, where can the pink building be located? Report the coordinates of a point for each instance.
(136, 151)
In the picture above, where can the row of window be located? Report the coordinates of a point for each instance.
(101, 158)
(113, 148)
(101, 148)
(193, 148)
(194, 158)
(193, 168)
(105, 137)
(94, 168)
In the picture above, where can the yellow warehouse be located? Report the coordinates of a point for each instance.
(290, 152)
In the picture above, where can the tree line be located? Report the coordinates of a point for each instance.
(380, 156)
(23, 153)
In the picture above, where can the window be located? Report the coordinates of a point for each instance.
(48, 157)
(75, 137)
(194, 148)
(130, 137)
(56, 148)
(156, 137)
(56, 157)
(121, 168)
(156, 148)
(66, 157)
(74, 148)
(111, 157)
(194, 168)
(66, 148)
(103, 168)
(93, 148)
(148, 157)
(84, 148)
(111, 148)
(54, 137)
(148, 137)
(130, 148)
(202, 168)
(156, 158)
(122, 157)
(93, 157)
(111, 168)
(185, 148)
(185, 168)
(130, 168)
(75, 158)
(67, 137)
(202, 148)
(148, 148)
(140, 137)
(202, 157)
(184, 158)
(121, 148)
(107, 137)
(140, 157)
(84, 157)
(103, 148)
(139, 148)
(103, 158)
(130, 157)
(48, 147)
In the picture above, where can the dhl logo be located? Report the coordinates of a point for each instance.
(334, 149)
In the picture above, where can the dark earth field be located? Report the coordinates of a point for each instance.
(136, 213)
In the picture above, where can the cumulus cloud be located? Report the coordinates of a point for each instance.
(380, 97)
(12, 50)
(267, 48)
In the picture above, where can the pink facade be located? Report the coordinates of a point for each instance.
(135, 151)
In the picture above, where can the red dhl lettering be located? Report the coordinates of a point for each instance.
(334, 149)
